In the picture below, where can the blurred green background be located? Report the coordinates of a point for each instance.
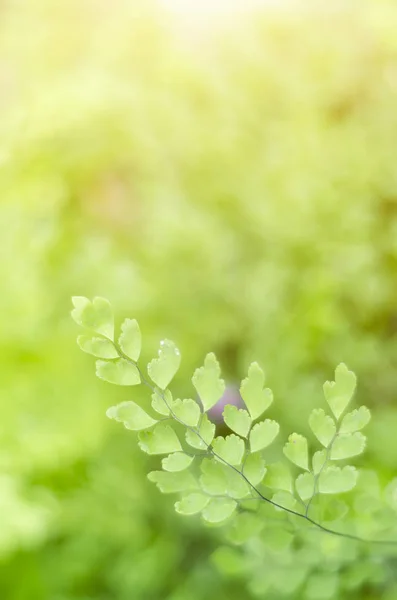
(228, 178)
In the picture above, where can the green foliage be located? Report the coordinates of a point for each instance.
(96, 315)
(131, 415)
(334, 480)
(230, 449)
(237, 419)
(322, 426)
(203, 436)
(99, 347)
(356, 420)
(119, 372)
(227, 480)
(263, 434)
(130, 340)
(207, 381)
(161, 440)
(296, 450)
(162, 369)
(187, 411)
(338, 393)
(176, 462)
(256, 397)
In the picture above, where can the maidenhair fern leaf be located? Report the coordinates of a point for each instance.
(160, 440)
(187, 411)
(119, 372)
(161, 402)
(162, 369)
(178, 461)
(131, 415)
(170, 483)
(318, 461)
(213, 479)
(237, 487)
(347, 445)
(257, 398)
(334, 480)
(192, 504)
(203, 439)
(237, 419)
(338, 393)
(296, 450)
(356, 420)
(230, 449)
(254, 468)
(96, 315)
(99, 347)
(305, 485)
(130, 340)
(263, 434)
(207, 382)
(322, 426)
(219, 509)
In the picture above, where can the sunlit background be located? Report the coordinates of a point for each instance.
(226, 173)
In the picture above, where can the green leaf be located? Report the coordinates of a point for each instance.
(206, 431)
(160, 400)
(338, 393)
(99, 347)
(347, 445)
(245, 526)
(356, 420)
(213, 479)
(170, 483)
(322, 426)
(237, 419)
(207, 382)
(218, 480)
(230, 448)
(334, 480)
(96, 315)
(284, 500)
(131, 415)
(254, 468)
(256, 397)
(179, 461)
(130, 340)
(237, 487)
(219, 509)
(318, 461)
(296, 450)
(119, 372)
(192, 504)
(278, 477)
(188, 411)
(305, 485)
(162, 369)
(263, 434)
(161, 440)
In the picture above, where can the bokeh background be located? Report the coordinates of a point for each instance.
(226, 173)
